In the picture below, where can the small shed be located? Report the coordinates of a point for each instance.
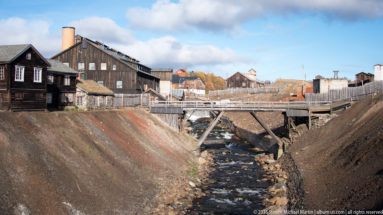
(91, 95)
(154, 95)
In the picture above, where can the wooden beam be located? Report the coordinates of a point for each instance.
(208, 130)
(263, 124)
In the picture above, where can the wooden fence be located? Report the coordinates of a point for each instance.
(243, 91)
(130, 100)
(350, 93)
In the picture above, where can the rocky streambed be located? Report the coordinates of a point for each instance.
(237, 180)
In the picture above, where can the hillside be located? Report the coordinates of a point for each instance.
(342, 162)
(102, 162)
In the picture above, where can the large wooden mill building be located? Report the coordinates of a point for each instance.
(107, 66)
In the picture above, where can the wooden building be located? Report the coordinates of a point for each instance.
(91, 95)
(165, 75)
(23, 75)
(363, 78)
(61, 85)
(109, 67)
(247, 80)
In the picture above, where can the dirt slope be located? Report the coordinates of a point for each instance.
(107, 162)
(342, 162)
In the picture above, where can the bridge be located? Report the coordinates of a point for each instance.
(289, 109)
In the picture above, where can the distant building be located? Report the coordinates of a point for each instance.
(61, 85)
(91, 95)
(23, 76)
(181, 72)
(107, 66)
(325, 85)
(363, 78)
(378, 69)
(165, 75)
(190, 84)
(247, 80)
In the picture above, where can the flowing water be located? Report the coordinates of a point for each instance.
(235, 185)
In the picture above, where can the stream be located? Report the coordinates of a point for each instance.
(235, 184)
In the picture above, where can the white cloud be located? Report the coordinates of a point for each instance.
(168, 51)
(20, 31)
(164, 51)
(165, 15)
(103, 29)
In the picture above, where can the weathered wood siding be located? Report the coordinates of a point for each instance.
(58, 87)
(132, 81)
(239, 81)
(27, 94)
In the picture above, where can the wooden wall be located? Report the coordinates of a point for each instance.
(123, 72)
(27, 94)
(58, 87)
(238, 81)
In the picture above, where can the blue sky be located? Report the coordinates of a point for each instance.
(275, 37)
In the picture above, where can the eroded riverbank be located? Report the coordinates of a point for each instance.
(233, 178)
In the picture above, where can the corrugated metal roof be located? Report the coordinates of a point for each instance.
(178, 93)
(178, 79)
(92, 87)
(57, 66)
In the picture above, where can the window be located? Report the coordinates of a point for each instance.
(49, 98)
(19, 73)
(63, 98)
(19, 96)
(70, 97)
(79, 100)
(100, 82)
(243, 84)
(28, 56)
(103, 66)
(119, 84)
(67, 80)
(92, 66)
(114, 67)
(237, 78)
(66, 63)
(50, 79)
(81, 66)
(2, 72)
(37, 74)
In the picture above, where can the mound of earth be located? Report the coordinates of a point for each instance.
(102, 162)
(342, 162)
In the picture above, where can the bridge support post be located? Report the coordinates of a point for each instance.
(268, 130)
(309, 119)
(181, 122)
(208, 130)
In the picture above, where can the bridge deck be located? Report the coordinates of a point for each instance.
(172, 107)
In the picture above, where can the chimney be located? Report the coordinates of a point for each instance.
(67, 37)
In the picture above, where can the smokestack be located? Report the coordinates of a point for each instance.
(67, 37)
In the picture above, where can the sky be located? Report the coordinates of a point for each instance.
(289, 39)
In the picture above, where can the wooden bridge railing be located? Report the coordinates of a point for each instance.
(240, 105)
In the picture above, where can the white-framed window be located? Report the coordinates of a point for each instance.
(79, 100)
(119, 84)
(66, 63)
(92, 66)
(103, 66)
(81, 66)
(2, 73)
(37, 72)
(67, 80)
(114, 67)
(19, 73)
(70, 97)
(28, 56)
(243, 84)
(50, 79)
(49, 98)
(100, 82)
